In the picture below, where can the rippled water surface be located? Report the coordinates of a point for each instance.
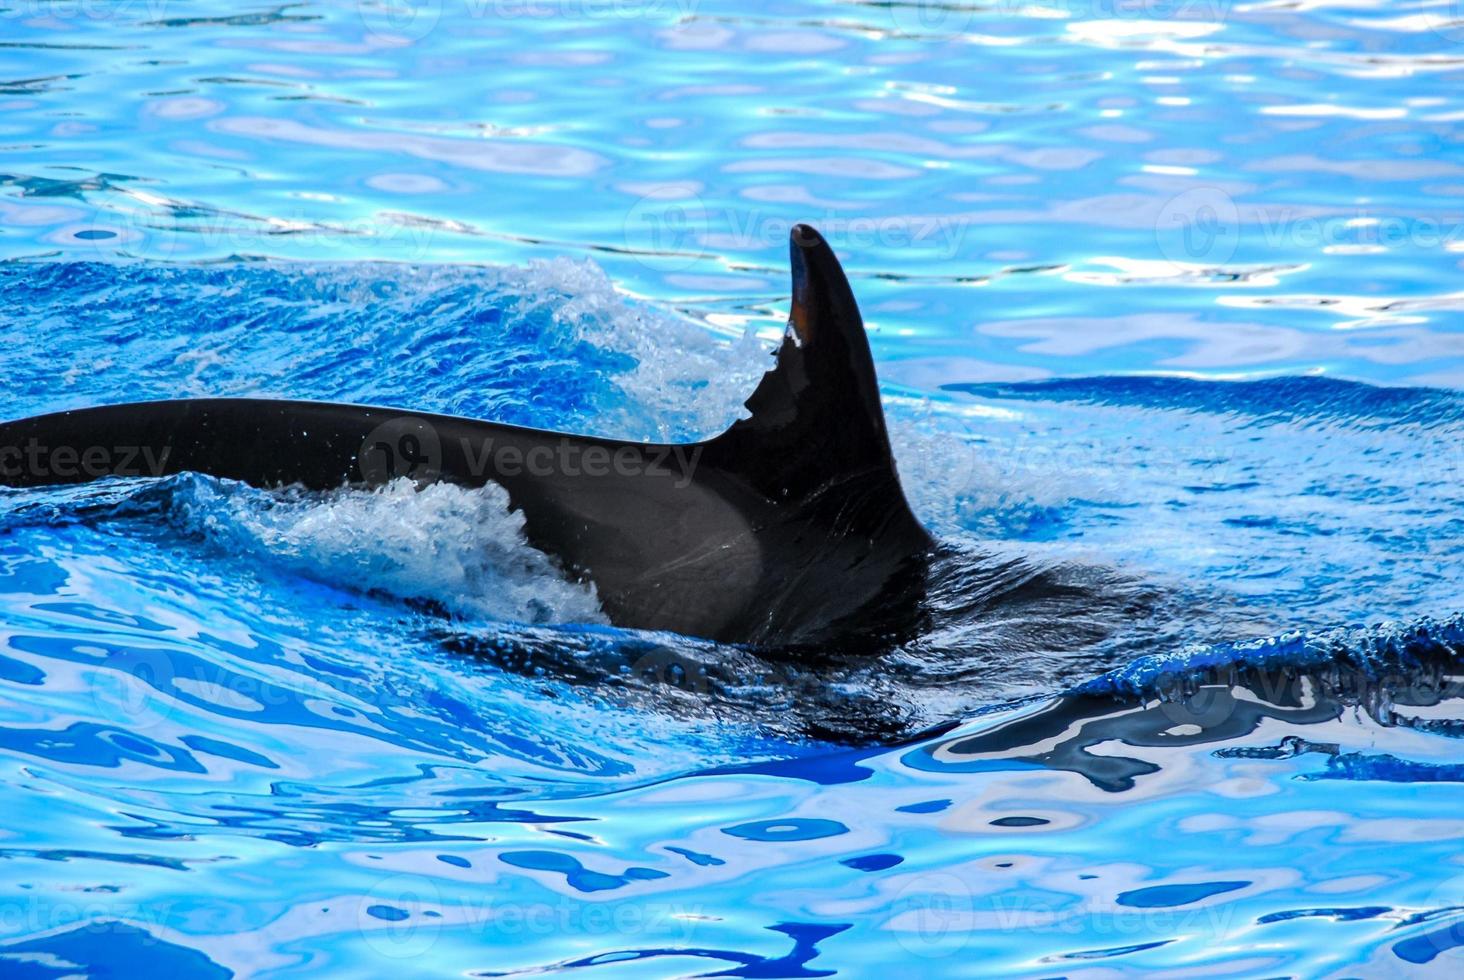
(1164, 298)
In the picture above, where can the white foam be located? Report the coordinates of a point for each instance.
(686, 382)
(462, 549)
(969, 469)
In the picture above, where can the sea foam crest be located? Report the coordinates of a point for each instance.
(1396, 651)
(461, 549)
(684, 382)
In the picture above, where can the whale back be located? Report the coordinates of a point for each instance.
(788, 529)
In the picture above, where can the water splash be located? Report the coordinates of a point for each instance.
(462, 550)
(224, 763)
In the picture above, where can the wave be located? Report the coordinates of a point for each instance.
(1233, 695)
(1305, 399)
(461, 552)
(1380, 652)
(549, 344)
(1088, 522)
(1002, 624)
(999, 623)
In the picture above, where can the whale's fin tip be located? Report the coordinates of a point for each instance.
(816, 416)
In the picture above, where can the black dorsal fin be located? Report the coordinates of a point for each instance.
(824, 371)
(816, 418)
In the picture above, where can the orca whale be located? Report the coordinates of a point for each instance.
(788, 529)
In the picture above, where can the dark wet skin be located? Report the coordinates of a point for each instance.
(790, 528)
(774, 571)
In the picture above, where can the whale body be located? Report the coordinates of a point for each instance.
(788, 529)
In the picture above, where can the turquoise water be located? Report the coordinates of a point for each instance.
(1163, 296)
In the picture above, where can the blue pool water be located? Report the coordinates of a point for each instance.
(1164, 296)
